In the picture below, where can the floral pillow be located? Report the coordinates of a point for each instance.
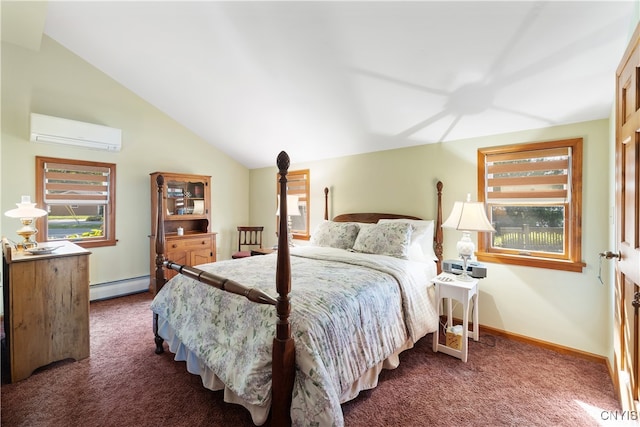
(390, 238)
(421, 247)
(341, 235)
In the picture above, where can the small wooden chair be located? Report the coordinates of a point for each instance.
(248, 237)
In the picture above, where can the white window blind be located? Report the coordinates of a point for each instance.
(541, 176)
(72, 184)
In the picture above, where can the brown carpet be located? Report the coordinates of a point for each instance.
(123, 383)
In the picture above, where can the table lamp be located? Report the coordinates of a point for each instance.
(467, 217)
(293, 209)
(26, 212)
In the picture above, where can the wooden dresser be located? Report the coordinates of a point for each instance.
(186, 202)
(46, 307)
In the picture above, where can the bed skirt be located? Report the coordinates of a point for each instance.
(259, 414)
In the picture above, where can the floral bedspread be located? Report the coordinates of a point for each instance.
(349, 312)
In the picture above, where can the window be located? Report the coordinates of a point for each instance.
(533, 193)
(80, 198)
(298, 185)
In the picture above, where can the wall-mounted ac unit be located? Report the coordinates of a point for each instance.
(70, 132)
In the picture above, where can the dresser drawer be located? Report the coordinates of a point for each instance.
(189, 243)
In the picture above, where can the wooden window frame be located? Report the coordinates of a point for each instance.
(294, 178)
(109, 237)
(571, 259)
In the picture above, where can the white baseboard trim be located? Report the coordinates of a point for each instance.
(118, 288)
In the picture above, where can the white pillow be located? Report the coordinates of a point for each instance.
(421, 246)
(341, 235)
(390, 239)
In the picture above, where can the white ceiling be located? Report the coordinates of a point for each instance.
(331, 78)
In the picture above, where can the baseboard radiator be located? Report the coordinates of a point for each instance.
(118, 288)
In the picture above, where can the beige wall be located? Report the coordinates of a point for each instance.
(568, 309)
(56, 82)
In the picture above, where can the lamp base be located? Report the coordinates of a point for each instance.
(464, 277)
(26, 233)
(465, 247)
(26, 244)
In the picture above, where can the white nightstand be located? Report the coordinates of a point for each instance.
(448, 286)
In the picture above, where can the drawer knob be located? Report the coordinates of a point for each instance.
(174, 246)
(204, 243)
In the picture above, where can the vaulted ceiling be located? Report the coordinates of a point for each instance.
(330, 78)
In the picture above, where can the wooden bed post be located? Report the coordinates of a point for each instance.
(438, 230)
(283, 356)
(160, 275)
(326, 203)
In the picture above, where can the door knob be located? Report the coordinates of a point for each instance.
(609, 255)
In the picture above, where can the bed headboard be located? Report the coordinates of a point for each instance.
(372, 217)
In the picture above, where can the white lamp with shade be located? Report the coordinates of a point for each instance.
(26, 212)
(467, 217)
(293, 209)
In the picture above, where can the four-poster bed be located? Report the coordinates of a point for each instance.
(362, 295)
